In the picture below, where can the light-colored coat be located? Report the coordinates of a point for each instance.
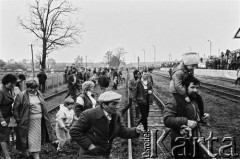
(179, 74)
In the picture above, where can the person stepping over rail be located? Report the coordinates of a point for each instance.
(179, 74)
(64, 119)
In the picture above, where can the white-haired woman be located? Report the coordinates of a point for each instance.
(85, 100)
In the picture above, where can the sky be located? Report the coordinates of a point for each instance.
(174, 27)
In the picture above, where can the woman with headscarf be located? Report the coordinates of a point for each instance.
(86, 99)
(6, 100)
(33, 122)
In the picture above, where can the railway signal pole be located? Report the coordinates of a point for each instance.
(144, 56)
(210, 47)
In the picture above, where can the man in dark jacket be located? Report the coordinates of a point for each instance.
(183, 121)
(72, 84)
(103, 81)
(131, 86)
(42, 77)
(97, 127)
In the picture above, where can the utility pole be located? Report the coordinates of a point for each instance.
(33, 72)
(210, 47)
(138, 62)
(154, 47)
(144, 57)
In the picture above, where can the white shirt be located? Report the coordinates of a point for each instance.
(145, 84)
(108, 116)
(65, 115)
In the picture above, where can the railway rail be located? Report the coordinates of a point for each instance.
(227, 93)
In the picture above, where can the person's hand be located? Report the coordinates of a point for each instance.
(3, 123)
(206, 116)
(192, 124)
(139, 129)
(91, 147)
(187, 99)
(149, 92)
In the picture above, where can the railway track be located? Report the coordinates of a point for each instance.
(227, 93)
(50, 109)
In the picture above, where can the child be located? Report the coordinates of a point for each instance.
(179, 74)
(64, 119)
(115, 83)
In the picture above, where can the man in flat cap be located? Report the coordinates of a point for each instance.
(97, 127)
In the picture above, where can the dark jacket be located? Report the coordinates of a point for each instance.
(139, 94)
(87, 104)
(6, 100)
(103, 81)
(179, 74)
(174, 119)
(42, 77)
(93, 128)
(71, 80)
(115, 73)
(21, 113)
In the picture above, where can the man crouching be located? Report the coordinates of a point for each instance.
(97, 127)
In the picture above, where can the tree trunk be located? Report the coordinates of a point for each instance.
(44, 54)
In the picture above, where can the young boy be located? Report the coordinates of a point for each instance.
(179, 74)
(64, 119)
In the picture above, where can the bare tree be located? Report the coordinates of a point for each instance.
(108, 57)
(120, 51)
(51, 22)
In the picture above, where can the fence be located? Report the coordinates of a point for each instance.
(53, 80)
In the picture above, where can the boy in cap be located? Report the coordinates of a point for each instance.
(179, 74)
(64, 119)
(97, 127)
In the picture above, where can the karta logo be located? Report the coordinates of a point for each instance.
(154, 146)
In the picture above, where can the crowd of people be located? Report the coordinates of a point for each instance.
(93, 122)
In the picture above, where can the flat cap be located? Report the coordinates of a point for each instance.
(109, 96)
